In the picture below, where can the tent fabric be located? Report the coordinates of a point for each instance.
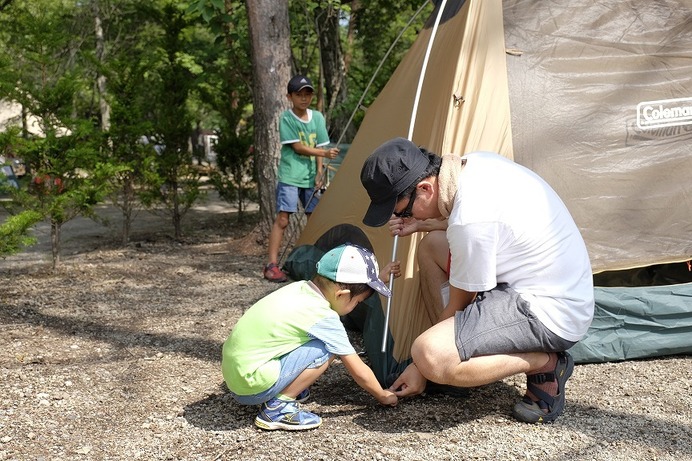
(467, 64)
(638, 322)
(577, 77)
(583, 70)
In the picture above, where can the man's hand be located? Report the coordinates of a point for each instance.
(407, 226)
(402, 226)
(410, 382)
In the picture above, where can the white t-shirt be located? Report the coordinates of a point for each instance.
(508, 226)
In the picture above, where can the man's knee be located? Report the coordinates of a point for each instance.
(425, 246)
(422, 353)
(433, 249)
(434, 352)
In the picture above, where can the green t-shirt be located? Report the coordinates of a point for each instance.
(274, 326)
(295, 169)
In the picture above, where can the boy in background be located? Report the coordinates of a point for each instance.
(285, 341)
(303, 134)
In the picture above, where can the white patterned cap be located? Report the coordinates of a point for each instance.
(351, 263)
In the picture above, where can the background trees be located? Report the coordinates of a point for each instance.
(119, 97)
(45, 73)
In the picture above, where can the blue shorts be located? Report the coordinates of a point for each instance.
(500, 321)
(287, 197)
(312, 354)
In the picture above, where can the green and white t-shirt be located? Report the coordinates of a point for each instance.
(274, 326)
(295, 169)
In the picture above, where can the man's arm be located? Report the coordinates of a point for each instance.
(458, 301)
(407, 226)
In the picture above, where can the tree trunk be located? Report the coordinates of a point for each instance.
(25, 122)
(351, 35)
(104, 107)
(271, 70)
(128, 204)
(55, 228)
(176, 214)
(334, 70)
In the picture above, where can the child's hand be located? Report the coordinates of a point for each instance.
(393, 268)
(388, 398)
(331, 153)
(319, 182)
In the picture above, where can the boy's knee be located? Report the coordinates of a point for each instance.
(426, 242)
(282, 220)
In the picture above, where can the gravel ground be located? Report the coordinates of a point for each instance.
(116, 356)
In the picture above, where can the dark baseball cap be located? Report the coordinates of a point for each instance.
(391, 169)
(299, 82)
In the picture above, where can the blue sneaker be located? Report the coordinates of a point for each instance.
(287, 415)
(303, 396)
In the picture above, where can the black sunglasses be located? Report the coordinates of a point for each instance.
(407, 213)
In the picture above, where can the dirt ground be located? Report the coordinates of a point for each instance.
(116, 356)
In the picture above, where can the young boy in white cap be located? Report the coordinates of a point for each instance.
(285, 341)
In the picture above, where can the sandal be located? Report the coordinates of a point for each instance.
(548, 407)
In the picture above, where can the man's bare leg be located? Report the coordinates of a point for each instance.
(433, 253)
(435, 354)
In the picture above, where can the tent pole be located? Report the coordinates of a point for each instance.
(389, 300)
(414, 112)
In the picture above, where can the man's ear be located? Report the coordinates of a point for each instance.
(425, 186)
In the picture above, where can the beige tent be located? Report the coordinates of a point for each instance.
(596, 98)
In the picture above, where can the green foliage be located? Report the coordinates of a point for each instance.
(63, 147)
(170, 66)
(175, 185)
(10, 141)
(69, 176)
(225, 90)
(14, 232)
(234, 179)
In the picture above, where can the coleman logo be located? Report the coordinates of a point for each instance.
(664, 113)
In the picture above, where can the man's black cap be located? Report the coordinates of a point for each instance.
(387, 172)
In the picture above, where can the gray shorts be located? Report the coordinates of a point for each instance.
(500, 321)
